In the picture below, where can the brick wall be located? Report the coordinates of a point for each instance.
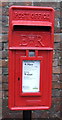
(55, 111)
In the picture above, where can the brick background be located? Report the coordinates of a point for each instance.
(55, 111)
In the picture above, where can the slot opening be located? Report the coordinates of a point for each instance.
(31, 28)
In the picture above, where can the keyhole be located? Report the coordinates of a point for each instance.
(18, 78)
(31, 53)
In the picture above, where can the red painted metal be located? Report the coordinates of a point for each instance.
(30, 28)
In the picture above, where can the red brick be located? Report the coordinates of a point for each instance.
(4, 86)
(61, 46)
(57, 23)
(4, 54)
(4, 4)
(0, 46)
(5, 37)
(28, 3)
(60, 62)
(0, 11)
(5, 11)
(56, 54)
(5, 32)
(0, 70)
(58, 108)
(56, 77)
(7, 113)
(0, 54)
(57, 84)
(0, 109)
(0, 62)
(57, 46)
(5, 78)
(5, 71)
(47, 4)
(5, 94)
(0, 78)
(56, 69)
(5, 46)
(57, 13)
(5, 63)
(55, 62)
(0, 87)
(12, 3)
(0, 104)
(61, 69)
(4, 20)
(0, 36)
(55, 93)
(57, 29)
(11, 114)
(16, 3)
(56, 100)
(61, 8)
(61, 85)
(61, 29)
(0, 94)
(39, 114)
(5, 23)
(60, 76)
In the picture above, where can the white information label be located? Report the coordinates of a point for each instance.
(31, 76)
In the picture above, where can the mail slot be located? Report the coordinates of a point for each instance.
(31, 34)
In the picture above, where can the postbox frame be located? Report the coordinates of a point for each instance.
(12, 54)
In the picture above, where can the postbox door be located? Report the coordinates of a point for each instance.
(33, 98)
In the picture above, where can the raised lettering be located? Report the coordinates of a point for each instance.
(31, 16)
(31, 40)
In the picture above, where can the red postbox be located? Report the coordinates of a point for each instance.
(31, 33)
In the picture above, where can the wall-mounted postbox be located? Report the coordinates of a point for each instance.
(30, 57)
